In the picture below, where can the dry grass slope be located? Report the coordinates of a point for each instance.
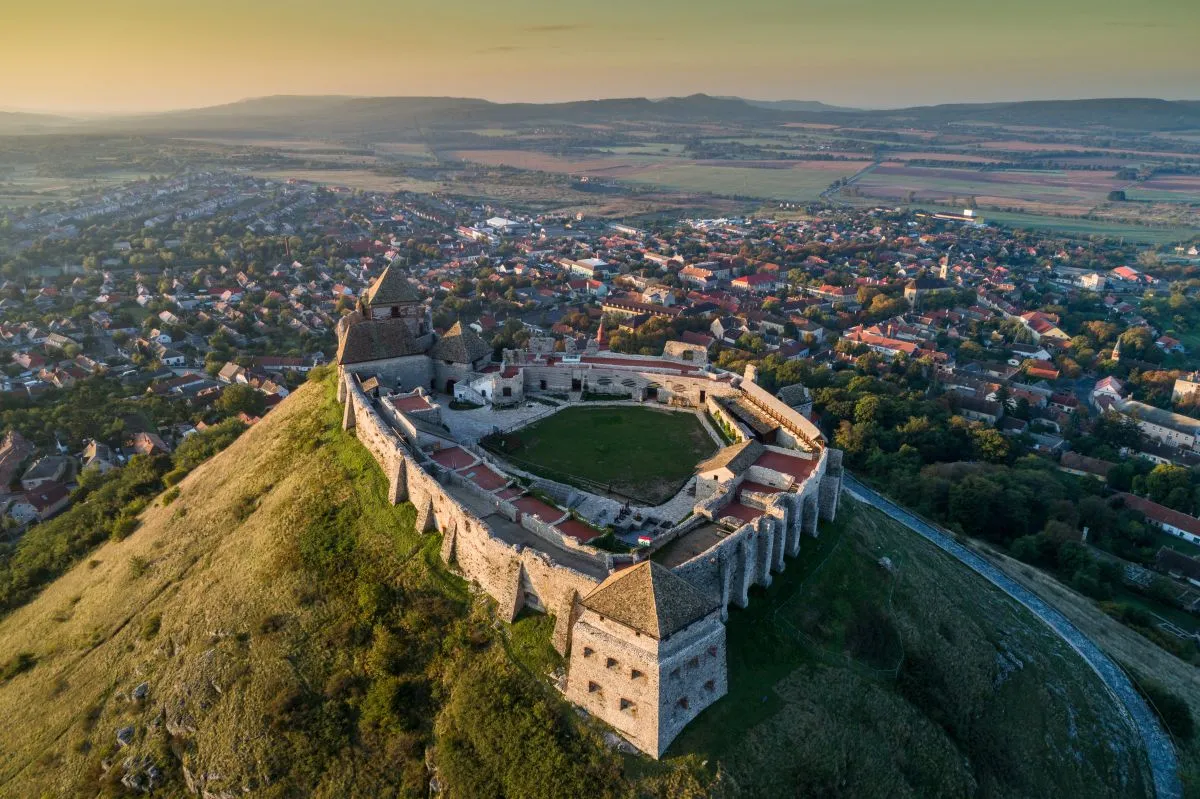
(203, 571)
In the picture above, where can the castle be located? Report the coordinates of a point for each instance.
(643, 632)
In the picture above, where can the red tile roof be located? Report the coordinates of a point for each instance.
(454, 458)
(799, 468)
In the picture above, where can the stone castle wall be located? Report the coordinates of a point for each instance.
(404, 373)
(752, 553)
(679, 677)
(513, 575)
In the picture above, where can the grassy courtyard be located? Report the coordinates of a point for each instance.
(642, 453)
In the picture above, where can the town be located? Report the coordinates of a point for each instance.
(137, 318)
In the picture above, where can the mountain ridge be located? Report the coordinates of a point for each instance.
(377, 117)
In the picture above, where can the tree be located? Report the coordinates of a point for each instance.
(237, 399)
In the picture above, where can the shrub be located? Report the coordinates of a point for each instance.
(138, 566)
(170, 496)
(1172, 710)
(272, 623)
(150, 626)
(122, 527)
(18, 664)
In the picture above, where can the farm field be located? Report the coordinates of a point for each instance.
(643, 453)
(23, 186)
(802, 181)
(884, 682)
(791, 180)
(1065, 191)
(1076, 226)
(364, 179)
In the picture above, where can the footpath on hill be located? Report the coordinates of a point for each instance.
(1159, 749)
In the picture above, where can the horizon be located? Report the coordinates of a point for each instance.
(130, 57)
(83, 114)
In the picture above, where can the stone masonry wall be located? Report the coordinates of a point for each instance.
(500, 569)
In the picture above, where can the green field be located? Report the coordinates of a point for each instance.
(1068, 226)
(642, 453)
(798, 183)
(850, 680)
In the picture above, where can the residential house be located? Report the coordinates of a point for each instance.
(41, 503)
(47, 469)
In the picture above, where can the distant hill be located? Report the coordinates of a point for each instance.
(20, 123)
(1118, 113)
(800, 105)
(380, 118)
(383, 118)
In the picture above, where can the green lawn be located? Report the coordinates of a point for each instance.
(848, 679)
(643, 453)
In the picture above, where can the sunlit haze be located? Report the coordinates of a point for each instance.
(133, 55)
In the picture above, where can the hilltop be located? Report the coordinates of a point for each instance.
(278, 627)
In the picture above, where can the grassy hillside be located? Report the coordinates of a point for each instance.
(853, 679)
(278, 628)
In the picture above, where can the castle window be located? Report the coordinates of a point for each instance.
(542, 385)
(694, 663)
(683, 703)
(712, 651)
(594, 688)
(588, 651)
(629, 706)
(636, 675)
(711, 685)
(675, 674)
(611, 663)
(395, 311)
(508, 391)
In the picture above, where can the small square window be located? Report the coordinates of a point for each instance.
(683, 702)
(694, 663)
(711, 685)
(588, 651)
(712, 651)
(674, 674)
(629, 706)
(611, 663)
(593, 688)
(636, 675)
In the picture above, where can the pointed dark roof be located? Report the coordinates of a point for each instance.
(651, 599)
(391, 288)
(375, 340)
(460, 345)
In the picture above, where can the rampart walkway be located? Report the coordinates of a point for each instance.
(1159, 749)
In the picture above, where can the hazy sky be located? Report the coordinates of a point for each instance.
(143, 55)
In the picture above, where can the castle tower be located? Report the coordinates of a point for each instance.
(388, 335)
(647, 654)
(391, 296)
(601, 337)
